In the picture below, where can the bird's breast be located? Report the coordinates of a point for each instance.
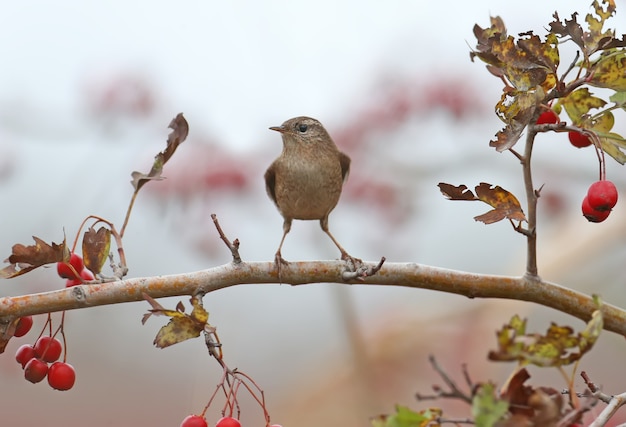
(308, 188)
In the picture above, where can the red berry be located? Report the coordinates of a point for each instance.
(24, 354)
(35, 370)
(48, 348)
(64, 269)
(228, 422)
(602, 195)
(23, 326)
(548, 116)
(592, 214)
(86, 275)
(578, 139)
(193, 421)
(61, 376)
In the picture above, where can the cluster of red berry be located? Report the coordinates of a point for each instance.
(74, 271)
(599, 201)
(199, 421)
(35, 358)
(47, 349)
(601, 197)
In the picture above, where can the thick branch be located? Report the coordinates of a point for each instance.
(296, 273)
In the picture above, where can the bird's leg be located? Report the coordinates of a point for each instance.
(278, 258)
(344, 254)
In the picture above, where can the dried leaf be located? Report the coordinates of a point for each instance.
(180, 130)
(547, 404)
(516, 109)
(610, 71)
(27, 258)
(456, 193)
(517, 394)
(504, 203)
(558, 347)
(181, 326)
(595, 39)
(96, 247)
(578, 103)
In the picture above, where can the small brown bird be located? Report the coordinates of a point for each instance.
(305, 180)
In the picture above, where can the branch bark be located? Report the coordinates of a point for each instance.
(410, 275)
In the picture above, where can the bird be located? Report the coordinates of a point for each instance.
(306, 180)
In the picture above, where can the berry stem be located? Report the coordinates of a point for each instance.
(599, 152)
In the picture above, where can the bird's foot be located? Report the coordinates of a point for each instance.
(279, 261)
(357, 270)
(352, 262)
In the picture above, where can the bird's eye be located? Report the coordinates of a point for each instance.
(302, 127)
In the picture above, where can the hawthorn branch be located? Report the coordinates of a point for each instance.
(411, 275)
(531, 202)
(616, 402)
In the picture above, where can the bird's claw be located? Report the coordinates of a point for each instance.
(357, 270)
(279, 261)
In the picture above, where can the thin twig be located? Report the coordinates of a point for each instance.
(594, 389)
(454, 393)
(232, 247)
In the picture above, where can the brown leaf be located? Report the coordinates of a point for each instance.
(181, 326)
(27, 258)
(547, 404)
(452, 192)
(504, 203)
(96, 246)
(180, 130)
(517, 394)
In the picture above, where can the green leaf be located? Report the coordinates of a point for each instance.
(487, 410)
(619, 98)
(405, 417)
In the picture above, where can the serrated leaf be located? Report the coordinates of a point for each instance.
(569, 27)
(595, 39)
(504, 203)
(96, 247)
(26, 258)
(487, 410)
(180, 130)
(543, 53)
(515, 108)
(453, 192)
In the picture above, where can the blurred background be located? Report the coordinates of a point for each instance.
(86, 94)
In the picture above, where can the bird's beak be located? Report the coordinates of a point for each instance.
(278, 129)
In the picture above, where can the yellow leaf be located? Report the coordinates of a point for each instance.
(610, 71)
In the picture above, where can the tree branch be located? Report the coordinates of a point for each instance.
(409, 275)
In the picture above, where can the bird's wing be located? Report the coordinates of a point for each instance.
(344, 161)
(270, 182)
